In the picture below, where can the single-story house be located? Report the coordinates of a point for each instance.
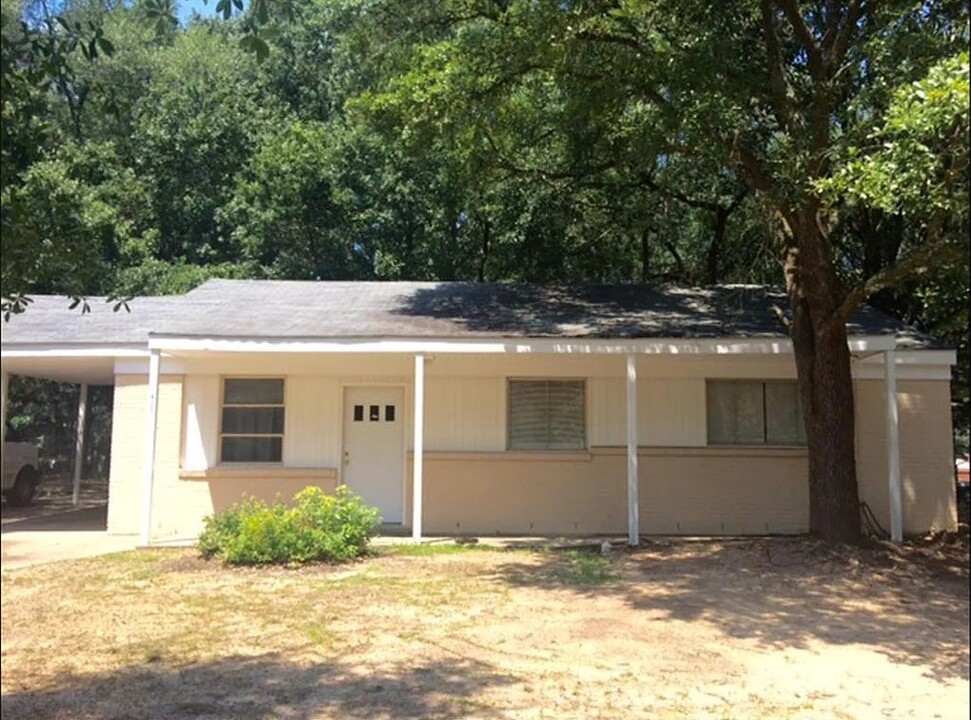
(465, 408)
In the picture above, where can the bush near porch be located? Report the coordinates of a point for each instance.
(318, 528)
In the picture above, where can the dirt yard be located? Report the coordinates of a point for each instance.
(747, 629)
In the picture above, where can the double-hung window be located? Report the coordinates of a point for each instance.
(754, 412)
(252, 422)
(546, 415)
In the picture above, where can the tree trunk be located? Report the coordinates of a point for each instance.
(645, 255)
(825, 384)
(486, 248)
(717, 242)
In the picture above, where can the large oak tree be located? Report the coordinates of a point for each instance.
(788, 98)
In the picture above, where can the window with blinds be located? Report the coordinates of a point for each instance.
(547, 415)
(747, 412)
(253, 415)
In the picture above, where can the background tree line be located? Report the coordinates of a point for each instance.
(489, 140)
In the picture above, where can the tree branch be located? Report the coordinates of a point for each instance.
(779, 84)
(817, 63)
(648, 181)
(629, 41)
(544, 173)
(921, 261)
(758, 176)
(844, 34)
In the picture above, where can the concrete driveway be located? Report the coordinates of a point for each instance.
(51, 530)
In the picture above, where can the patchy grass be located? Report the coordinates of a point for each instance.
(763, 628)
(586, 567)
(433, 548)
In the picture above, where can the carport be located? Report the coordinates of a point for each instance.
(85, 368)
(52, 341)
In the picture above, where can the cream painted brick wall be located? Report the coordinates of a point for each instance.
(177, 506)
(127, 447)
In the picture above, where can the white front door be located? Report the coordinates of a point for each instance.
(374, 448)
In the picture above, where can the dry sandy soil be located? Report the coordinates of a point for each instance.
(781, 628)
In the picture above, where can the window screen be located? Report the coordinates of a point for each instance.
(547, 415)
(252, 422)
(746, 412)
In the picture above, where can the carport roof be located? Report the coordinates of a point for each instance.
(48, 319)
(254, 309)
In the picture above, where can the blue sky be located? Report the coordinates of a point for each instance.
(187, 7)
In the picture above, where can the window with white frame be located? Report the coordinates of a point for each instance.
(546, 415)
(754, 412)
(253, 415)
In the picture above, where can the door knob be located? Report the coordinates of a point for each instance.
(347, 458)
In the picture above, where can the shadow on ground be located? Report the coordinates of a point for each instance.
(787, 593)
(53, 508)
(265, 686)
(83, 518)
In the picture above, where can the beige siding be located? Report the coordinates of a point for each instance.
(724, 491)
(492, 494)
(694, 492)
(312, 413)
(313, 420)
(225, 490)
(472, 485)
(671, 413)
(341, 366)
(606, 411)
(201, 433)
(465, 413)
(927, 471)
(179, 505)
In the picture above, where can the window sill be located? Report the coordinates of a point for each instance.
(747, 451)
(267, 471)
(509, 455)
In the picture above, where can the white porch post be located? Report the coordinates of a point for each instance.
(633, 516)
(79, 443)
(419, 449)
(4, 394)
(148, 462)
(893, 448)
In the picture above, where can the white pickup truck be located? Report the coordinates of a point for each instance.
(20, 472)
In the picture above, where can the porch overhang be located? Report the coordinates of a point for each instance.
(492, 346)
(80, 364)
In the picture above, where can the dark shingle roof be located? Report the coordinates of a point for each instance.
(49, 319)
(294, 309)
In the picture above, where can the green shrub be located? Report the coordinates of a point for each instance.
(219, 527)
(319, 528)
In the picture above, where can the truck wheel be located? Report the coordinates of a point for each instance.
(23, 488)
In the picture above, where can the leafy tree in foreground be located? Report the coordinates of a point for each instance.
(784, 95)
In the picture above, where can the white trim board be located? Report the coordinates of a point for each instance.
(93, 350)
(490, 346)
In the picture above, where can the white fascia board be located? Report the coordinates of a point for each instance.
(904, 372)
(910, 365)
(915, 357)
(490, 346)
(93, 350)
(926, 357)
(486, 346)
